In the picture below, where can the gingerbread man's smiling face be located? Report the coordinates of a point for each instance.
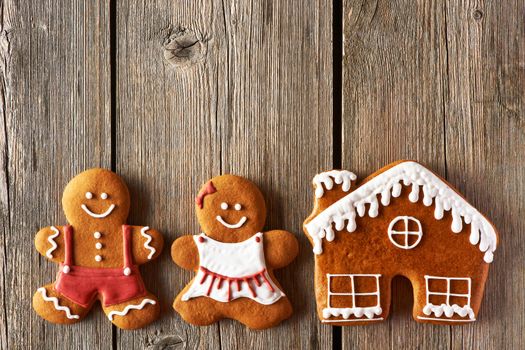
(96, 196)
(230, 209)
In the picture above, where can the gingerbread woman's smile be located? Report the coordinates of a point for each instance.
(237, 225)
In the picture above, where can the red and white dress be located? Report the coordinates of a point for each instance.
(229, 271)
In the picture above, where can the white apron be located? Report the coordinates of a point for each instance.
(229, 271)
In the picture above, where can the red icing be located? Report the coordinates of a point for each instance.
(208, 189)
(201, 239)
(237, 280)
(257, 239)
(82, 285)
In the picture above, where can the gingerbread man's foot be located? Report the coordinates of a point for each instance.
(200, 311)
(135, 313)
(258, 316)
(54, 307)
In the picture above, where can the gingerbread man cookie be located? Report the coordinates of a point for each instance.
(98, 255)
(233, 259)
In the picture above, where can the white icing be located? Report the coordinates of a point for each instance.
(57, 306)
(237, 225)
(98, 245)
(405, 232)
(51, 239)
(66, 269)
(445, 308)
(224, 205)
(89, 195)
(131, 307)
(389, 183)
(346, 312)
(98, 216)
(127, 271)
(344, 177)
(98, 258)
(239, 260)
(444, 319)
(238, 206)
(104, 195)
(97, 235)
(148, 240)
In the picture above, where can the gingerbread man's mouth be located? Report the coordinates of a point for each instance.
(98, 216)
(237, 225)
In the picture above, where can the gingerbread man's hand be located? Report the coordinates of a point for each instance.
(184, 253)
(280, 248)
(146, 244)
(49, 242)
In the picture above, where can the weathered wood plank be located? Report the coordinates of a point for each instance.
(485, 142)
(393, 86)
(54, 59)
(243, 88)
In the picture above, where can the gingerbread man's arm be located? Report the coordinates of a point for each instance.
(49, 242)
(184, 253)
(147, 244)
(280, 248)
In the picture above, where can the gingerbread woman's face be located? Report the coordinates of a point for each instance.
(96, 196)
(230, 209)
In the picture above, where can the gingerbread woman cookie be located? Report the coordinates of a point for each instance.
(233, 259)
(98, 255)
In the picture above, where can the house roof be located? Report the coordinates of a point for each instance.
(389, 184)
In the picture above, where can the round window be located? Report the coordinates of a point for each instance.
(405, 232)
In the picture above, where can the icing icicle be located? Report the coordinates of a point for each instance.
(344, 177)
(131, 307)
(148, 240)
(51, 239)
(358, 312)
(391, 181)
(448, 310)
(57, 306)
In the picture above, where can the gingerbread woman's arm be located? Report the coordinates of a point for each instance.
(49, 242)
(184, 253)
(280, 248)
(147, 244)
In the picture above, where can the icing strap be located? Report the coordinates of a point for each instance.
(148, 241)
(68, 245)
(131, 307)
(57, 306)
(51, 240)
(126, 245)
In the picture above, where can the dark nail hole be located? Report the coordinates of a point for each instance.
(477, 15)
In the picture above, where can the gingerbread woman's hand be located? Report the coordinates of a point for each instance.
(146, 244)
(280, 248)
(49, 242)
(184, 253)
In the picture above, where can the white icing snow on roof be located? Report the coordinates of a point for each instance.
(389, 183)
(344, 177)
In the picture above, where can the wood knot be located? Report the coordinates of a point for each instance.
(182, 48)
(477, 15)
(160, 342)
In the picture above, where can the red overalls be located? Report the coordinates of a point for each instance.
(82, 285)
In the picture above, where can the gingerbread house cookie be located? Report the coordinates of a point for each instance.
(402, 220)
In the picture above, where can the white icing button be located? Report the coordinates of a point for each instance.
(238, 206)
(66, 269)
(224, 205)
(98, 258)
(104, 196)
(98, 245)
(89, 195)
(97, 235)
(127, 271)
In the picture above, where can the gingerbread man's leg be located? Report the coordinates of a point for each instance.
(54, 307)
(201, 311)
(259, 316)
(135, 313)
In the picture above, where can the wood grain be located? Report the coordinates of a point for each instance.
(205, 88)
(55, 122)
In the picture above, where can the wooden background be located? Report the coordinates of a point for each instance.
(171, 93)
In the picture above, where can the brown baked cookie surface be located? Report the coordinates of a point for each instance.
(98, 255)
(401, 220)
(234, 260)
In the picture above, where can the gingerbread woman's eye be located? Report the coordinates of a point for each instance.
(238, 206)
(89, 195)
(224, 205)
(104, 195)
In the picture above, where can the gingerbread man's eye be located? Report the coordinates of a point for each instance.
(238, 206)
(224, 205)
(104, 195)
(89, 195)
